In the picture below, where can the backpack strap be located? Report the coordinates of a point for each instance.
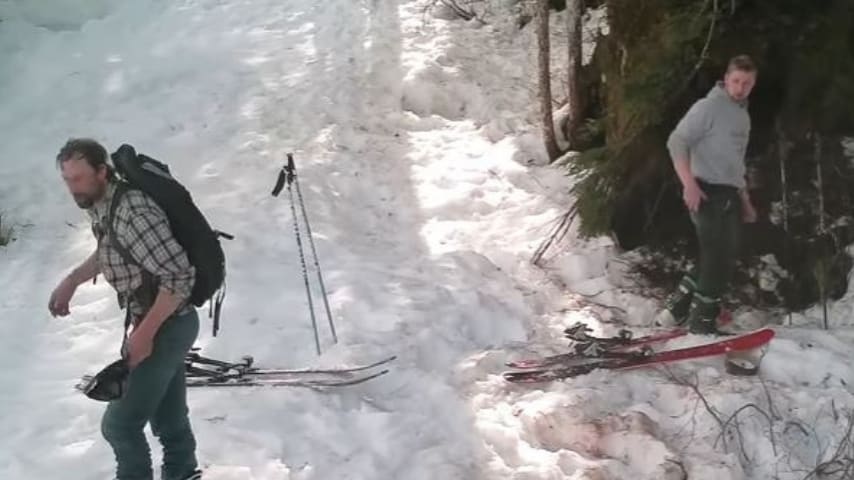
(215, 306)
(119, 193)
(146, 292)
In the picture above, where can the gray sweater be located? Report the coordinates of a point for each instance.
(713, 136)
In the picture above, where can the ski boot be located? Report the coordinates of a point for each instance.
(703, 315)
(676, 306)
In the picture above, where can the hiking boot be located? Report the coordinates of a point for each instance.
(704, 326)
(195, 475)
(677, 304)
(703, 315)
(665, 318)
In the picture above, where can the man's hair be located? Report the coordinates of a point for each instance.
(741, 62)
(93, 152)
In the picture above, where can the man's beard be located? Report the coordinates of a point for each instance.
(86, 200)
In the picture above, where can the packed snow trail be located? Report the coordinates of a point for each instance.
(419, 219)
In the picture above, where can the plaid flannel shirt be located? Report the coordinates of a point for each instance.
(142, 227)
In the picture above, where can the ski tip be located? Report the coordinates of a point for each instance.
(763, 333)
(769, 332)
(377, 363)
(381, 361)
(518, 364)
(513, 377)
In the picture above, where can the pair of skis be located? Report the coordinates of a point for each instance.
(208, 372)
(623, 352)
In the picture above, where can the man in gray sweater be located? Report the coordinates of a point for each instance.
(708, 148)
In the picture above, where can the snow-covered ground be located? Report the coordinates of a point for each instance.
(420, 165)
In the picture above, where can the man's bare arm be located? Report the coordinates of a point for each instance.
(61, 295)
(85, 271)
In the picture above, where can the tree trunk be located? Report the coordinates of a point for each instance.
(545, 79)
(574, 11)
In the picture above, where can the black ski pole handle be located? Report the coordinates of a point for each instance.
(286, 174)
(280, 183)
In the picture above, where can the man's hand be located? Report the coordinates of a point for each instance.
(693, 195)
(691, 192)
(141, 340)
(140, 345)
(61, 297)
(748, 213)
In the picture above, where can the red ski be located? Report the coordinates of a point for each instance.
(613, 347)
(747, 341)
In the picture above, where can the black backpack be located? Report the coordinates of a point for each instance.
(188, 224)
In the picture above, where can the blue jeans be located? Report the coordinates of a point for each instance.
(156, 393)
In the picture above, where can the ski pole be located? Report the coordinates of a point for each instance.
(286, 175)
(292, 168)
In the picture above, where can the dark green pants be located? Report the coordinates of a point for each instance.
(718, 226)
(157, 393)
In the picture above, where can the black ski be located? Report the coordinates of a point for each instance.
(193, 360)
(208, 372)
(300, 380)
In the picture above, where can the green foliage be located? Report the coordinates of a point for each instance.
(595, 191)
(659, 58)
(822, 85)
(659, 53)
(652, 56)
